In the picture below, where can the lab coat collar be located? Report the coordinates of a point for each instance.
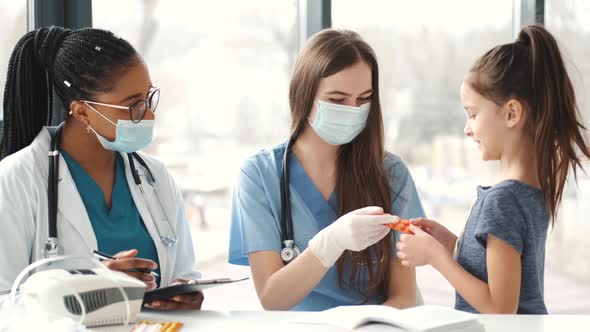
(72, 208)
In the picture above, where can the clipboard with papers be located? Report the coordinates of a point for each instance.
(193, 286)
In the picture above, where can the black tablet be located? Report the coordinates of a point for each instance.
(193, 286)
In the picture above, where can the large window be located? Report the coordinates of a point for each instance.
(224, 70)
(14, 12)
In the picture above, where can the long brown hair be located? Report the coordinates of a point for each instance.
(361, 179)
(532, 71)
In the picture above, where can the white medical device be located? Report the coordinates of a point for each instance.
(94, 296)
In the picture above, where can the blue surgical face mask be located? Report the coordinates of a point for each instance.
(130, 136)
(339, 124)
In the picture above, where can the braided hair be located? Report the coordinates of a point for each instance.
(76, 64)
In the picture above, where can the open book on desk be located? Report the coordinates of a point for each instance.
(427, 318)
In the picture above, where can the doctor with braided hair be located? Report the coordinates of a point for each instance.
(95, 191)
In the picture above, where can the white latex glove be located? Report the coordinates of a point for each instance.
(354, 231)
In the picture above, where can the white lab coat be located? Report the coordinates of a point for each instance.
(24, 214)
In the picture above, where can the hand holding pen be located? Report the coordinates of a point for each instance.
(125, 261)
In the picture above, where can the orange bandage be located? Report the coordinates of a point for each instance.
(403, 226)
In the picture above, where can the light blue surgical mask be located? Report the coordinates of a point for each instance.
(339, 124)
(130, 136)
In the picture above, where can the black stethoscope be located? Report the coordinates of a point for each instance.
(51, 248)
(289, 250)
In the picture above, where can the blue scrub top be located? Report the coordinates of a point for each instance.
(256, 218)
(120, 227)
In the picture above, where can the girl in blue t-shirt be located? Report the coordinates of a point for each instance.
(521, 110)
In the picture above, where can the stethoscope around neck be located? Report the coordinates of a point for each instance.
(289, 251)
(52, 246)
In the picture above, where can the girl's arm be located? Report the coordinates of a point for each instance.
(501, 294)
(402, 285)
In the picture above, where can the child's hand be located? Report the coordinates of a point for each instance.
(419, 249)
(438, 231)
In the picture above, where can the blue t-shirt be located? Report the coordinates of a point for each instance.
(256, 219)
(515, 213)
(119, 227)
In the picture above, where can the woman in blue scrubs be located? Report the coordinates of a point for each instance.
(343, 188)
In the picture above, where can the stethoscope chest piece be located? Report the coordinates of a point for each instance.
(51, 248)
(289, 251)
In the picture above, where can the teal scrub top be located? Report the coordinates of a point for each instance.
(256, 218)
(120, 227)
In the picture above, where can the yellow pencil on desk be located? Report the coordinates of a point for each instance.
(153, 326)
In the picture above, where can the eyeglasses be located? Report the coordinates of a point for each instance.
(137, 110)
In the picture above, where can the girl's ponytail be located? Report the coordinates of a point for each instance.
(531, 69)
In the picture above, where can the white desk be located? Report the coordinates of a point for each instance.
(241, 321)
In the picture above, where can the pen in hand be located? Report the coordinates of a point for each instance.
(106, 257)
